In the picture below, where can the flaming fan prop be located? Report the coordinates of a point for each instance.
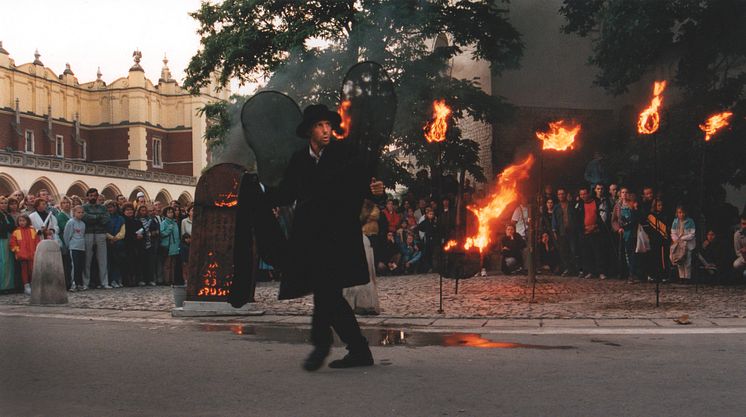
(368, 109)
(649, 120)
(344, 125)
(506, 192)
(456, 263)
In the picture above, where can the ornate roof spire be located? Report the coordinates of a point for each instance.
(165, 72)
(68, 71)
(36, 60)
(137, 55)
(98, 74)
(2, 50)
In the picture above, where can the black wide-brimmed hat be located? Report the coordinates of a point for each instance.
(316, 113)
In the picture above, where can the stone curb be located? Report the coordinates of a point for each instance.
(484, 325)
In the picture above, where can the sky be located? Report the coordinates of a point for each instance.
(102, 33)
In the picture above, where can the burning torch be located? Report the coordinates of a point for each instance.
(648, 123)
(710, 127)
(559, 137)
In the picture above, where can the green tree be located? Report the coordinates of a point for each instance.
(271, 39)
(704, 42)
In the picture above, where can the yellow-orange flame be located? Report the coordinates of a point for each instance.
(559, 137)
(435, 130)
(450, 245)
(715, 123)
(649, 120)
(344, 113)
(229, 199)
(506, 192)
(210, 287)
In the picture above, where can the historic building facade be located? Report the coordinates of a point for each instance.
(122, 138)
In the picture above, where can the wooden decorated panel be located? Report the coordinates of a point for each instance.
(211, 255)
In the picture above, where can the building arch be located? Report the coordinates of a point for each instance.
(44, 183)
(111, 191)
(78, 188)
(164, 197)
(184, 199)
(8, 185)
(138, 189)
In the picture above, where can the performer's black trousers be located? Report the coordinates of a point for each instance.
(331, 311)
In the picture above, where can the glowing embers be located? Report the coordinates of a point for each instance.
(649, 120)
(506, 192)
(229, 199)
(344, 125)
(214, 283)
(559, 137)
(436, 129)
(715, 123)
(450, 245)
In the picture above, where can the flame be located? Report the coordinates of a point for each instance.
(649, 120)
(558, 137)
(343, 111)
(505, 193)
(211, 285)
(715, 123)
(229, 199)
(435, 130)
(449, 245)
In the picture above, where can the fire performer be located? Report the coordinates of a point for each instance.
(328, 183)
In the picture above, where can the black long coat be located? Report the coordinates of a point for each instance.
(325, 248)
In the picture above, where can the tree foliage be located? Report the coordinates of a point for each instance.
(703, 43)
(279, 40)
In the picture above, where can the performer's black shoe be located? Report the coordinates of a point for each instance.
(315, 359)
(360, 358)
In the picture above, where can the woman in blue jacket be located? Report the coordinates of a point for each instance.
(170, 241)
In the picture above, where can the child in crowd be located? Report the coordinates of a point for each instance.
(23, 244)
(74, 237)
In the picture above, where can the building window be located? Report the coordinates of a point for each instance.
(29, 146)
(157, 153)
(59, 146)
(84, 150)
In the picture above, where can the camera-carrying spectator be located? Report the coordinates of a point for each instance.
(683, 241)
(410, 254)
(511, 249)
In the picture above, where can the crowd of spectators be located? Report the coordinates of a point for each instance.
(606, 231)
(603, 231)
(133, 243)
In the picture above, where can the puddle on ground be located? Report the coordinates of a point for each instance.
(376, 337)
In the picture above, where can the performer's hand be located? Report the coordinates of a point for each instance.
(376, 187)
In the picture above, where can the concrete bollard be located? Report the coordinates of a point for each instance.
(48, 279)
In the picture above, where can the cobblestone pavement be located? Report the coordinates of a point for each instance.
(493, 296)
